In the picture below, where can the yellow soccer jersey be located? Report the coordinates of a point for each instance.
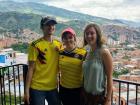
(45, 56)
(70, 65)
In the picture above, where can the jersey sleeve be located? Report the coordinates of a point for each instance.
(83, 52)
(32, 53)
(58, 44)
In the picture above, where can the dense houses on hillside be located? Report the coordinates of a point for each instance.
(125, 57)
(7, 42)
(27, 36)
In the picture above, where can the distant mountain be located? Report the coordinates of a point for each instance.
(129, 23)
(116, 31)
(15, 22)
(16, 17)
(2, 29)
(62, 14)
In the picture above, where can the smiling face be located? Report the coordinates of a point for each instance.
(48, 29)
(91, 36)
(68, 40)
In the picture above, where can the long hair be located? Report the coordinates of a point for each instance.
(100, 40)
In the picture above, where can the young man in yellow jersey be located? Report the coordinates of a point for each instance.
(41, 80)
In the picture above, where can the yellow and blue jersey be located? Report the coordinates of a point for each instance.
(45, 56)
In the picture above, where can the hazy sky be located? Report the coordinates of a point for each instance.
(112, 9)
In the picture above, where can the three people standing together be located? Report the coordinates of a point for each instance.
(85, 73)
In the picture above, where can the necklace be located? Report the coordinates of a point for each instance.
(90, 54)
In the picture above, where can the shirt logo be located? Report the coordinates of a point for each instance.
(41, 56)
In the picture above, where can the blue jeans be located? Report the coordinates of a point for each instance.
(38, 97)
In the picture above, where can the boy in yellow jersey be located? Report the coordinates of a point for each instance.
(70, 65)
(41, 81)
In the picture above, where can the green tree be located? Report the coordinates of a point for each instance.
(120, 72)
(22, 47)
(126, 57)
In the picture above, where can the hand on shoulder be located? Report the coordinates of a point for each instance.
(56, 48)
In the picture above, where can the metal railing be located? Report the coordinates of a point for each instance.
(127, 92)
(12, 86)
(12, 83)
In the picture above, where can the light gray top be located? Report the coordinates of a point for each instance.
(94, 73)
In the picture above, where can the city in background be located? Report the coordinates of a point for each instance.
(20, 25)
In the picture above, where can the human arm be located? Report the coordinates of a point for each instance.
(108, 64)
(29, 79)
(32, 56)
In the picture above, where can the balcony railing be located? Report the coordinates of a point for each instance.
(126, 92)
(12, 84)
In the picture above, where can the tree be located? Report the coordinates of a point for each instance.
(120, 72)
(23, 47)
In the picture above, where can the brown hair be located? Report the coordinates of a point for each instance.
(100, 40)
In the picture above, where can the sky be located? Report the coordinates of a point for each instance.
(111, 9)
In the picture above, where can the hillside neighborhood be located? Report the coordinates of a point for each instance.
(19, 28)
